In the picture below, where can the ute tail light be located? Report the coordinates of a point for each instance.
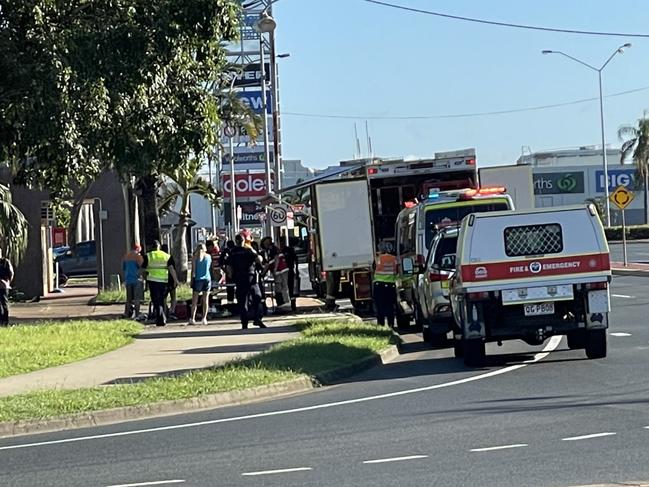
(437, 276)
(372, 170)
(420, 260)
(323, 275)
(597, 285)
(471, 161)
(481, 296)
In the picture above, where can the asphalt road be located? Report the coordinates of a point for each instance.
(636, 252)
(422, 420)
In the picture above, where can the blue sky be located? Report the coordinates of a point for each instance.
(349, 57)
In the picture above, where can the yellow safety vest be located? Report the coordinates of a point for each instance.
(386, 269)
(157, 266)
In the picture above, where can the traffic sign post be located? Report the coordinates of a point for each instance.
(622, 198)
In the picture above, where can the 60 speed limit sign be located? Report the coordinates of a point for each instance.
(278, 215)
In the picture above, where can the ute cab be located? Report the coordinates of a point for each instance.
(416, 228)
(530, 275)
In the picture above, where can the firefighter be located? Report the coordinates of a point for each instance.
(385, 277)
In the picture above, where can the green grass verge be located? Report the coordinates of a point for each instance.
(28, 348)
(114, 296)
(322, 346)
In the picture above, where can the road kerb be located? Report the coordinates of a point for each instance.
(182, 406)
(630, 272)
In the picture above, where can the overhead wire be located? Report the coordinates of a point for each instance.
(505, 24)
(461, 115)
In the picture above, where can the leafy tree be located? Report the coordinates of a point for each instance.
(87, 86)
(13, 228)
(182, 183)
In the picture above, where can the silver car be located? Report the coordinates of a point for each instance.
(435, 306)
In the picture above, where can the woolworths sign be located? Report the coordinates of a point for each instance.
(558, 182)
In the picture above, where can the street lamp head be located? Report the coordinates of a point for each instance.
(266, 23)
(284, 55)
(546, 51)
(625, 46)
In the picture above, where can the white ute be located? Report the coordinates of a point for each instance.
(530, 275)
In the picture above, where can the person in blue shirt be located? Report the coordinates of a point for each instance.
(131, 264)
(201, 281)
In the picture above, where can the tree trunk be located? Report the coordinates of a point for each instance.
(180, 252)
(149, 188)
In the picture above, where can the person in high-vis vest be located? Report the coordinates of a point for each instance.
(159, 266)
(385, 277)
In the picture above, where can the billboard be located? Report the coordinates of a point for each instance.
(616, 177)
(247, 155)
(558, 182)
(250, 214)
(253, 100)
(247, 185)
(251, 75)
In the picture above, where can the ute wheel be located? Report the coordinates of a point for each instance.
(474, 352)
(458, 349)
(576, 339)
(425, 333)
(596, 344)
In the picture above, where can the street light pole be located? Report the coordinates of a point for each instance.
(619, 50)
(604, 156)
(265, 25)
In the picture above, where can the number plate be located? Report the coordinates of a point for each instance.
(539, 309)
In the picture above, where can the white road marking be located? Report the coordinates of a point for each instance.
(620, 334)
(272, 472)
(587, 437)
(552, 345)
(626, 296)
(503, 447)
(396, 459)
(142, 484)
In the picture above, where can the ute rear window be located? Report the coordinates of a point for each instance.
(533, 240)
(451, 214)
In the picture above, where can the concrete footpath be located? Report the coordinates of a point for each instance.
(631, 269)
(158, 351)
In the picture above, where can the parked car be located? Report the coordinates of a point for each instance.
(434, 308)
(79, 260)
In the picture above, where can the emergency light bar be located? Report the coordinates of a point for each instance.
(483, 192)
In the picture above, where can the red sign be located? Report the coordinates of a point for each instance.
(552, 266)
(59, 237)
(246, 185)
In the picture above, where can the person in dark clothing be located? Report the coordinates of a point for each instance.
(245, 263)
(224, 263)
(6, 276)
(171, 285)
(293, 272)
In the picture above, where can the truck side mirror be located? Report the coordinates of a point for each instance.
(407, 265)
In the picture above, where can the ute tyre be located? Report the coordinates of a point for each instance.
(458, 349)
(438, 340)
(474, 353)
(596, 344)
(576, 340)
(425, 333)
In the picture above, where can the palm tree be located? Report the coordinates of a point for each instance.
(13, 228)
(636, 145)
(181, 184)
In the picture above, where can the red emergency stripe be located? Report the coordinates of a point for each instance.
(541, 267)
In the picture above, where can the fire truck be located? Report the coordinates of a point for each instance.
(355, 206)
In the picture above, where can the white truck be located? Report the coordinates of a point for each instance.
(357, 208)
(530, 275)
(516, 179)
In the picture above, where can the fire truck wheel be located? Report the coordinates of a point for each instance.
(576, 340)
